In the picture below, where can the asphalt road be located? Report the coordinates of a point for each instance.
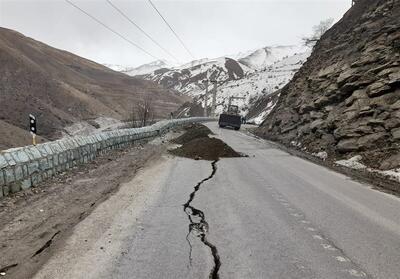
(271, 215)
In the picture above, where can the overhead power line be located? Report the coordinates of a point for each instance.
(112, 30)
(170, 27)
(141, 29)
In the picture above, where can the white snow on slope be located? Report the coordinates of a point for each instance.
(267, 56)
(143, 69)
(352, 163)
(255, 83)
(258, 83)
(263, 115)
(355, 163)
(265, 71)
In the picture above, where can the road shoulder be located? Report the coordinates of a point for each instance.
(34, 223)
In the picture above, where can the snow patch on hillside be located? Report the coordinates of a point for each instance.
(263, 115)
(247, 75)
(256, 84)
(143, 69)
(355, 163)
(264, 57)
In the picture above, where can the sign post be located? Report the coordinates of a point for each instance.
(32, 128)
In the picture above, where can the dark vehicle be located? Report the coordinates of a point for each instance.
(230, 118)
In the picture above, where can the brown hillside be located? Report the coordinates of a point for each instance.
(61, 88)
(12, 136)
(346, 98)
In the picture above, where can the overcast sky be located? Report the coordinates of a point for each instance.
(208, 28)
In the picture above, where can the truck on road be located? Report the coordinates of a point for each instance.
(230, 118)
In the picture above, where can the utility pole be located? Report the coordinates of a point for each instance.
(205, 98)
(214, 98)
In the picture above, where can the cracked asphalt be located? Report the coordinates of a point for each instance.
(270, 215)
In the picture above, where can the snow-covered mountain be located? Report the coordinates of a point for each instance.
(143, 69)
(249, 75)
(263, 57)
(188, 79)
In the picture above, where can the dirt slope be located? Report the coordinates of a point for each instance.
(61, 88)
(12, 136)
(346, 98)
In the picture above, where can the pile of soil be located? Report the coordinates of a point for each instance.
(194, 131)
(205, 148)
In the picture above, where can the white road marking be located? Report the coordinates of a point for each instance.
(296, 214)
(342, 259)
(328, 247)
(316, 236)
(357, 273)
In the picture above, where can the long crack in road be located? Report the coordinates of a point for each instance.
(199, 227)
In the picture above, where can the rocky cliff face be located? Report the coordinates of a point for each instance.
(345, 100)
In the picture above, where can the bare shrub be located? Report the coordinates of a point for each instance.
(142, 114)
(318, 31)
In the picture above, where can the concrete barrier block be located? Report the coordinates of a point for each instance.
(3, 162)
(78, 141)
(74, 142)
(33, 151)
(50, 161)
(55, 160)
(44, 164)
(26, 184)
(15, 187)
(10, 160)
(20, 156)
(6, 190)
(25, 170)
(62, 145)
(68, 144)
(55, 147)
(2, 181)
(33, 167)
(61, 158)
(46, 147)
(18, 172)
(85, 140)
(9, 176)
(36, 178)
(51, 172)
(42, 150)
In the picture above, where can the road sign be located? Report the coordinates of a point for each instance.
(32, 124)
(32, 128)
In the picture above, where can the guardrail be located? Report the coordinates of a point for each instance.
(24, 167)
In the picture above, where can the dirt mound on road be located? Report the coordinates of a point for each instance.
(205, 148)
(194, 131)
